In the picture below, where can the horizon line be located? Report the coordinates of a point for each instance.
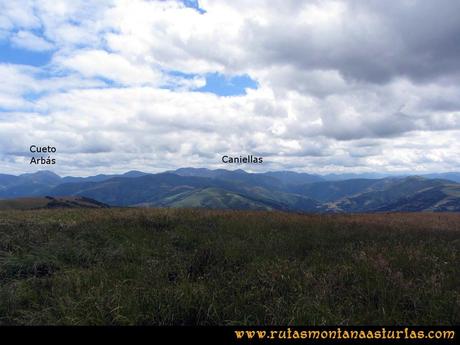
(383, 174)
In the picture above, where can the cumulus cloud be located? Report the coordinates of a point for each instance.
(342, 85)
(30, 41)
(99, 63)
(14, 14)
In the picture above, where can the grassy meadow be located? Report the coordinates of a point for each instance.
(202, 267)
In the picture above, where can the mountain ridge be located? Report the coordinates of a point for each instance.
(238, 189)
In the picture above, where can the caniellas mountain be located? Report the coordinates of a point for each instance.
(238, 189)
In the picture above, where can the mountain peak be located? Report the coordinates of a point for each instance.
(42, 173)
(134, 173)
(42, 176)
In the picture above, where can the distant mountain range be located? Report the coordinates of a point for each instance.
(238, 189)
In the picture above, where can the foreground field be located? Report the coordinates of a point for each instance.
(190, 267)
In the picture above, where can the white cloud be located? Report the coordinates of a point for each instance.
(99, 63)
(30, 41)
(18, 13)
(16, 81)
(343, 86)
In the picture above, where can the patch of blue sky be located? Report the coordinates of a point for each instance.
(222, 85)
(32, 96)
(9, 53)
(107, 82)
(182, 74)
(4, 110)
(217, 83)
(19, 56)
(194, 4)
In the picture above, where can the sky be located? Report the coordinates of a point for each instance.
(311, 86)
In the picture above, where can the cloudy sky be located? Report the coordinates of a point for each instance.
(315, 86)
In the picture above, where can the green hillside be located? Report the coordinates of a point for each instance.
(438, 198)
(412, 194)
(214, 198)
